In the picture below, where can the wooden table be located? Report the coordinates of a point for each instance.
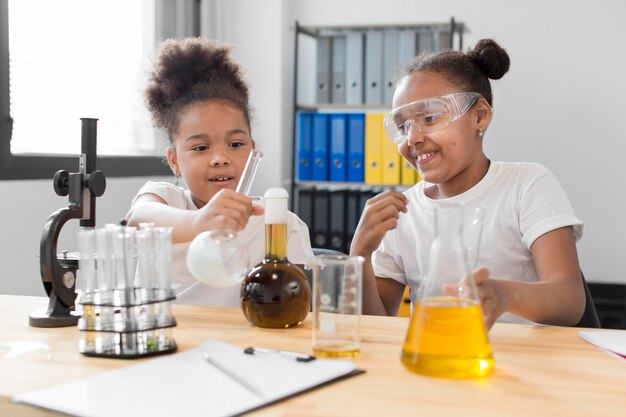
(540, 371)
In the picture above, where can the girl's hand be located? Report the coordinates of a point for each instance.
(380, 215)
(490, 293)
(227, 209)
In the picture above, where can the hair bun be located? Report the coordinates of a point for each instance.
(491, 58)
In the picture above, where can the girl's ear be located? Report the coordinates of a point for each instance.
(483, 114)
(172, 160)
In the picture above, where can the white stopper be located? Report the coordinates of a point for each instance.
(276, 200)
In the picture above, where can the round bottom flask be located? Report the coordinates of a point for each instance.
(276, 293)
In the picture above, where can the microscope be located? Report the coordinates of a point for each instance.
(58, 271)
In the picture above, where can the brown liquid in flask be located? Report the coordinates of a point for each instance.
(276, 293)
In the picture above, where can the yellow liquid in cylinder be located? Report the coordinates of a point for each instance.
(447, 338)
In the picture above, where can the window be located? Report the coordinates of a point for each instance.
(63, 60)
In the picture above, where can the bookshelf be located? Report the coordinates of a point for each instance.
(343, 85)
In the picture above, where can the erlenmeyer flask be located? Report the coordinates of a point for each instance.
(446, 335)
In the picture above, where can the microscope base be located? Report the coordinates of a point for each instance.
(41, 318)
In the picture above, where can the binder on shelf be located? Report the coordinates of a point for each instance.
(322, 94)
(354, 67)
(390, 161)
(356, 147)
(442, 40)
(407, 174)
(320, 219)
(336, 217)
(304, 131)
(338, 73)
(373, 148)
(425, 41)
(352, 217)
(390, 62)
(305, 208)
(407, 46)
(373, 66)
(319, 146)
(338, 131)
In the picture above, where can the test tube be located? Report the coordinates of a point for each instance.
(249, 171)
(87, 262)
(145, 261)
(163, 250)
(86, 281)
(105, 265)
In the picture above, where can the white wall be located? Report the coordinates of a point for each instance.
(561, 105)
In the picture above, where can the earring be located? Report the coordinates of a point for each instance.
(481, 132)
(177, 182)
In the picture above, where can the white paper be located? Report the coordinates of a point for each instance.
(612, 341)
(185, 384)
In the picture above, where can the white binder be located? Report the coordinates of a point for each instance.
(406, 46)
(373, 66)
(390, 63)
(322, 94)
(354, 67)
(338, 73)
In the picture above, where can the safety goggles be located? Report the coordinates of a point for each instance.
(428, 115)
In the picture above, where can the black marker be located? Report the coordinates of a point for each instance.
(300, 357)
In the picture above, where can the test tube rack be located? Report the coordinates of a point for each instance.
(124, 292)
(113, 327)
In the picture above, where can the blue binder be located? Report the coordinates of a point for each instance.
(338, 132)
(320, 147)
(356, 147)
(305, 129)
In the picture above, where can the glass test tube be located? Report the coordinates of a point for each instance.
(249, 171)
(163, 250)
(87, 263)
(145, 260)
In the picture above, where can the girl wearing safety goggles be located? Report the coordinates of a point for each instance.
(528, 268)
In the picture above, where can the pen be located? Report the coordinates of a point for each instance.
(300, 357)
(235, 376)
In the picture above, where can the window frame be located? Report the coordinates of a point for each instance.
(21, 167)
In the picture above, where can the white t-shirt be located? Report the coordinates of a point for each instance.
(521, 201)
(191, 291)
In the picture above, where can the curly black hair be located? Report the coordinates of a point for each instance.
(470, 71)
(193, 70)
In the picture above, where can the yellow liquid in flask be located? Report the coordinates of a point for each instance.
(447, 338)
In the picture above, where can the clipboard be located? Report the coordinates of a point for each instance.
(185, 384)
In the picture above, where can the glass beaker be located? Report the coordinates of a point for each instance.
(446, 335)
(337, 303)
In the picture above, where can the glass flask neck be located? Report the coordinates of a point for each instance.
(448, 224)
(276, 242)
(447, 260)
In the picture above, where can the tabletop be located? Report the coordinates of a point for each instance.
(540, 370)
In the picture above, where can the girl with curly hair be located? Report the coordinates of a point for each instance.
(198, 96)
